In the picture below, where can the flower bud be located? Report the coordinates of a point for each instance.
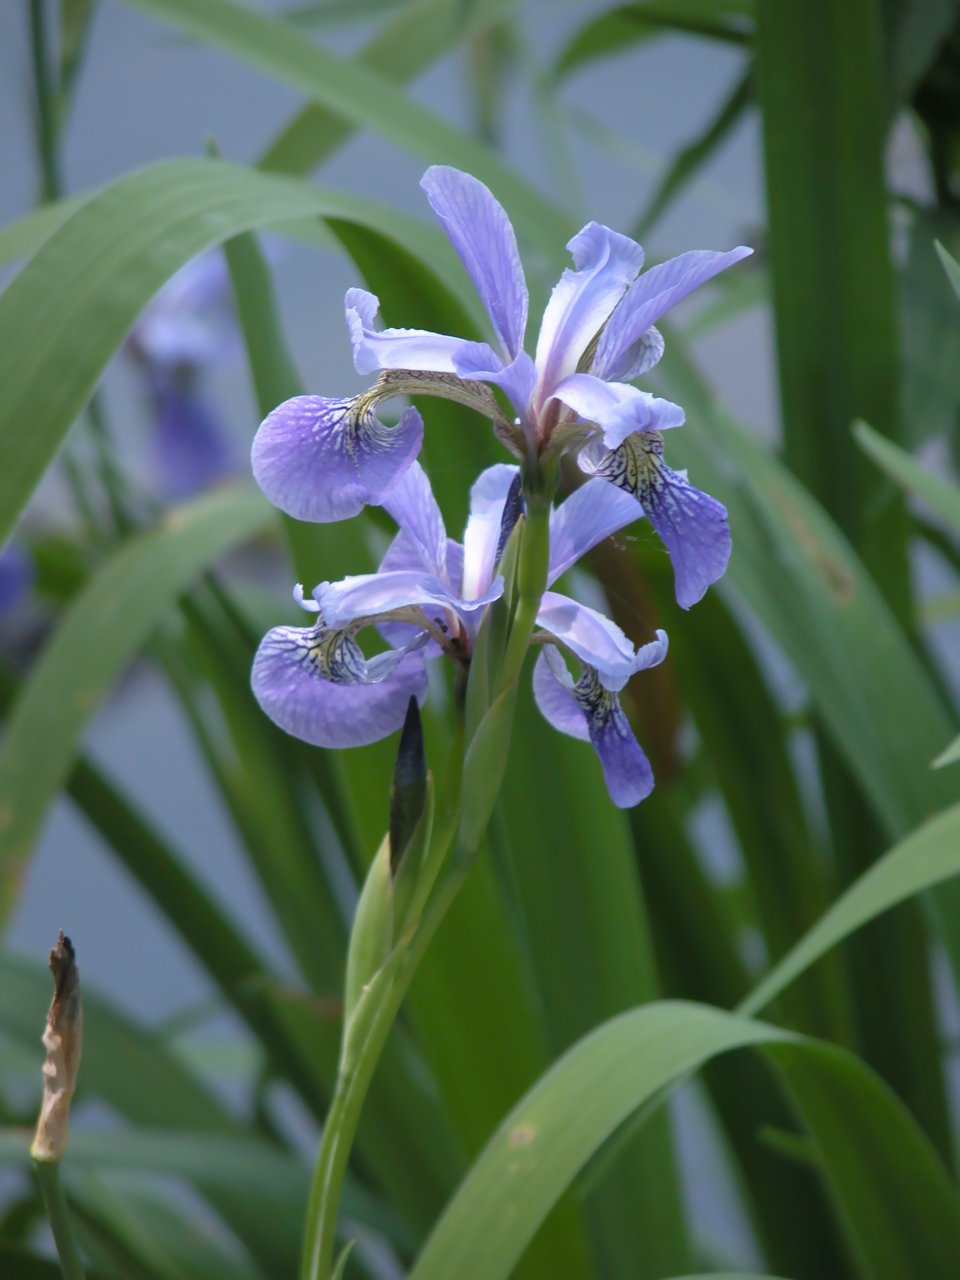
(62, 1039)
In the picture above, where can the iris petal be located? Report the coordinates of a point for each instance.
(366, 595)
(553, 692)
(617, 408)
(596, 640)
(692, 525)
(588, 711)
(650, 297)
(481, 233)
(190, 447)
(321, 689)
(375, 349)
(517, 379)
(323, 460)
(482, 535)
(605, 263)
(591, 513)
(413, 506)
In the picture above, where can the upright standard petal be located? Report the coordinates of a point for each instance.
(375, 349)
(650, 297)
(482, 535)
(692, 525)
(605, 263)
(413, 506)
(588, 711)
(480, 231)
(316, 684)
(617, 408)
(323, 460)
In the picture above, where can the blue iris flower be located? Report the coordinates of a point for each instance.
(428, 596)
(187, 329)
(323, 459)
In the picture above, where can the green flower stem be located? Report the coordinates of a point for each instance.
(364, 1040)
(366, 1033)
(48, 1175)
(539, 490)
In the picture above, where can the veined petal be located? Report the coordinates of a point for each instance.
(605, 263)
(482, 535)
(596, 641)
(375, 349)
(692, 525)
(587, 710)
(367, 595)
(323, 460)
(591, 513)
(316, 684)
(413, 506)
(651, 296)
(616, 407)
(480, 231)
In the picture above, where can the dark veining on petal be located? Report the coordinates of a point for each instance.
(330, 655)
(635, 465)
(599, 705)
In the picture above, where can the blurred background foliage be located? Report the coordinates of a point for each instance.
(795, 859)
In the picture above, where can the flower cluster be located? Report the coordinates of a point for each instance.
(323, 459)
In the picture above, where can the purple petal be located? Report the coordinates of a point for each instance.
(626, 769)
(591, 513)
(588, 711)
(640, 357)
(403, 555)
(605, 264)
(191, 451)
(692, 525)
(191, 320)
(323, 460)
(595, 640)
(553, 692)
(413, 506)
(16, 576)
(482, 535)
(617, 408)
(375, 349)
(481, 233)
(367, 595)
(650, 297)
(361, 704)
(518, 378)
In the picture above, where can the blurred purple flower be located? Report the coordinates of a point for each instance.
(16, 576)
(322, 459)
(185, 330)
(428, 596)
